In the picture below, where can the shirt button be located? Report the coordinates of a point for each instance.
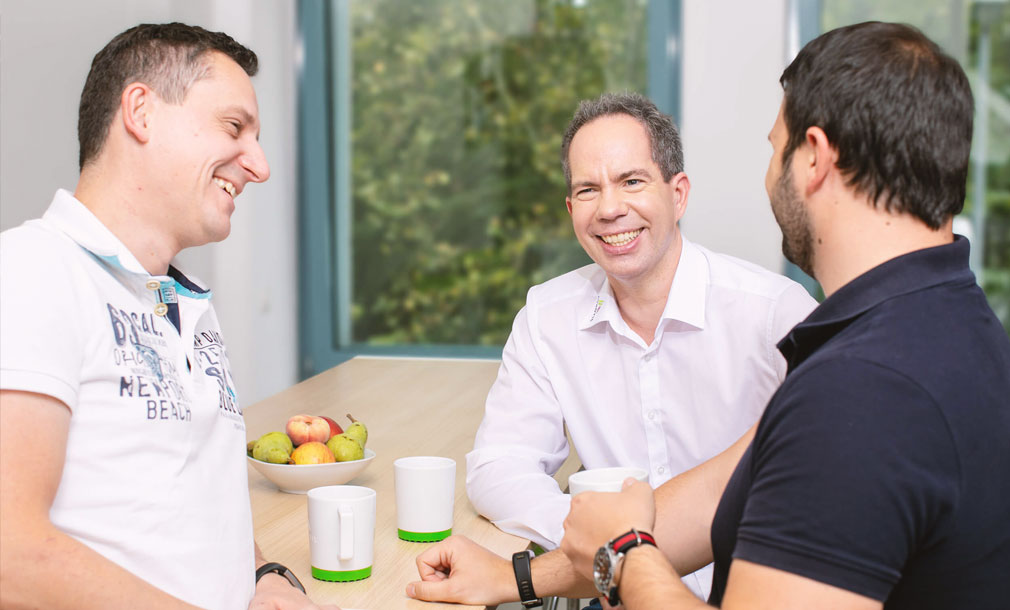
(652, 414)
(661, 469)
(160, 309)
(153, 284)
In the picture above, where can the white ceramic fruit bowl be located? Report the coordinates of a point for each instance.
(296, 479)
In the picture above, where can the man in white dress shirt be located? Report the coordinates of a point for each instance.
(660, 355)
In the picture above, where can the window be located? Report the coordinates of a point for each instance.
(432, 193)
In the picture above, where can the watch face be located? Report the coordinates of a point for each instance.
(602, 566)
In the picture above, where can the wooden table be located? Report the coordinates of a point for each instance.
(411, 406)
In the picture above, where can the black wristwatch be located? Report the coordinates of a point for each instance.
(524, 580)
(609, 558)
(281, 569)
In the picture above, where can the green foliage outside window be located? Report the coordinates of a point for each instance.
(457, 189)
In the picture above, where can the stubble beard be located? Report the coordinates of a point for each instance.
(793, 220)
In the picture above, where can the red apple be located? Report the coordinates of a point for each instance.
(335, 428)
(307, 428)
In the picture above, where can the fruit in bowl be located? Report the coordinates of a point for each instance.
(312, 452)
(273, 447)
(306, 457)
(307, 428)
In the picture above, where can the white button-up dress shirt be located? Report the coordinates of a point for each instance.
(666, 405)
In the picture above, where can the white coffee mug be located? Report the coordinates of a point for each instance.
(341, 532)
(425, 490)
(604, 479)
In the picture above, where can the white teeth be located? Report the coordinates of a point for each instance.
(227, 186)
(620, 239)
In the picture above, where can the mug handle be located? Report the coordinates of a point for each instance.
(346, 532)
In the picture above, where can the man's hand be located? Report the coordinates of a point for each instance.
(596, 518)
(274, 592)
(459, 570)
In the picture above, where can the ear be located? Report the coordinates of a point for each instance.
(819, 160)
(681, 189)
(136, 108)
(568, 204)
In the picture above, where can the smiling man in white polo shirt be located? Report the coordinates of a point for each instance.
(121, 435)
(659, 355)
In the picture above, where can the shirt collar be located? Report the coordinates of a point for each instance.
(67, 214)
(689, 291)
(685, 303)
(901, 275)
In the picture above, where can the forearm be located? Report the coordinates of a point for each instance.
(41, 567)
(686, 505)
(647, 581)
(554, 575)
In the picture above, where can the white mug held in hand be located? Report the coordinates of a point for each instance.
(341, 532)
(425, 490)
(604, 479)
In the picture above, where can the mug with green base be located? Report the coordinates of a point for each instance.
(341, 532)
(425, 490)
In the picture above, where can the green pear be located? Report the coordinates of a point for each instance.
(345, 448)
(273, 447)
(357, 431)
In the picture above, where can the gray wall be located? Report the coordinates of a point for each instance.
(734, 52)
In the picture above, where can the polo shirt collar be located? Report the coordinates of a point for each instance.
(73, 218)
(902, 275)
(685, 303)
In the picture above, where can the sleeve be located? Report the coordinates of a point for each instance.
(40, 344)
(520, 444)
(793, 305)
(853, 469)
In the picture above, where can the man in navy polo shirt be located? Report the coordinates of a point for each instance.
(879, 475)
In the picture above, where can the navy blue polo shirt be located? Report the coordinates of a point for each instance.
(882, 464)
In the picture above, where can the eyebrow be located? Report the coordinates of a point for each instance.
(633, 172)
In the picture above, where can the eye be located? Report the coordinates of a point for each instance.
(585, 193)
(234, 126)
(633, 182)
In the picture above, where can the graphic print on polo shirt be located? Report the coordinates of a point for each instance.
(211, 359)
(147, 376)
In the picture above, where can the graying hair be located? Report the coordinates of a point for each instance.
(664, 140)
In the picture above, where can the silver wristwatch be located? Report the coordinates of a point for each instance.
(609, 558)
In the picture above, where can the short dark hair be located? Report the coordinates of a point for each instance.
(168, 57)
(664, 139)
(897, 109)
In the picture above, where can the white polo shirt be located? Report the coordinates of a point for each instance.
(666, 405)
(155, 476)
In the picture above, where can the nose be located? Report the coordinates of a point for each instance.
(254, 162)
(611, 205)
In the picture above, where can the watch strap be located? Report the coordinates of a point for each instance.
(281, 570)
(524, 580)
(621, 545)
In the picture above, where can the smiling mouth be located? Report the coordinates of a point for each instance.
(228, 187)
(620, 239)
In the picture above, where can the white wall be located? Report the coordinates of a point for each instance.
(45, 53)
(734, 52)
